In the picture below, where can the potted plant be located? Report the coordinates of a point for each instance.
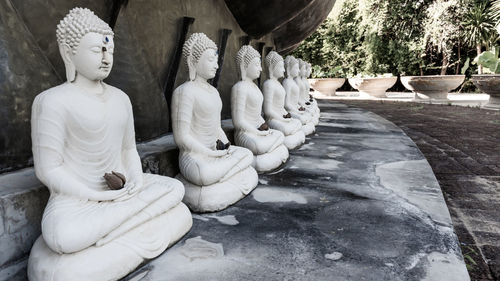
(432, 86)
(488, 77)
(373, 85)
(327, 82)
(441, 31)
(489, 81)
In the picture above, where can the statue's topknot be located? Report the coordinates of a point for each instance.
(196, 45)
(77, 23)
(245, 55)
(273, 58)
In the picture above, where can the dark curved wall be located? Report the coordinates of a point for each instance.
(146, 33)
(289, 21)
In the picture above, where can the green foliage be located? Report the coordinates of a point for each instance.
(489, 60)
(335, 72)
(402, 37)
(479, 22)
(368, 37)
(441, 27)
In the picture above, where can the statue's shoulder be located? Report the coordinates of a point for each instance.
(240, 86)
(271, 83)
(53, 95)
(115, 91)
(118, 93)
(185, 87)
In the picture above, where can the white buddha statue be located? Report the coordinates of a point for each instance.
(293, 96)
(215, 173)
(274, 103)
(95, 227)
(305, 99)
(251, 130)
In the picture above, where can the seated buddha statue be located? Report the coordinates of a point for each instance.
(215, 173)
(305, 99)
(251, 130)
(293, 96)
(274, 103)
(104, 216)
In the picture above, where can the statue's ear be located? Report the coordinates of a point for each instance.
(191, 68)
(66, 52)
(243, 71)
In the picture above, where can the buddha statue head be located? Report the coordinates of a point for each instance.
(275, 65)
(292, 67)
(201, 56)
(85, 44)
(303, 68)
(248, 60)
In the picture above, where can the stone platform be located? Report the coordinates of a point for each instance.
(357, 201)
(459, 99)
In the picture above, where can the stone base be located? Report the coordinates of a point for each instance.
(113, 260)
(434, 95)
(272, 160)
(308, 128)
(314, 219)
(295, 140)
(220, 195)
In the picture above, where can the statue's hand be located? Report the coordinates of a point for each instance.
(108, 195)
(220, 153)
(132, 188)
(263, 133)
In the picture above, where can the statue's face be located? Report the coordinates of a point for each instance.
(94, 56)
(279, 69)
(207, 65)
(294, 72)
(303, 70)
(254, 68)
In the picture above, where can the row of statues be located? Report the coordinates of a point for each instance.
(105, 216)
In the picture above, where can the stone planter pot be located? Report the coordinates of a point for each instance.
(432, 86)
(327, 86)
(373, 86)
(489, 84)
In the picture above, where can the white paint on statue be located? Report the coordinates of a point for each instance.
(215, 175)
(274, 104)
(251, 131)
(81, 130)
(293, 96)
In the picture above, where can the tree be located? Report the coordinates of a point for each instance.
(442, 29)
(479, 24)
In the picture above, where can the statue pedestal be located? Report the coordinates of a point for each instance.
(308, 128)
(219, 195)
(271, 160)
(115, 259)
(295, 140)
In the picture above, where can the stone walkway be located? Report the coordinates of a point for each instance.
(358, 201)
(463, 148)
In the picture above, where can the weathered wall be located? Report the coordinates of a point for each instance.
(145, 34)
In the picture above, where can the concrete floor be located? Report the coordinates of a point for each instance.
(358, 201)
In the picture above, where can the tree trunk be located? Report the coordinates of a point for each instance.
(445, 64)
(479, 67)
(457, 71)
